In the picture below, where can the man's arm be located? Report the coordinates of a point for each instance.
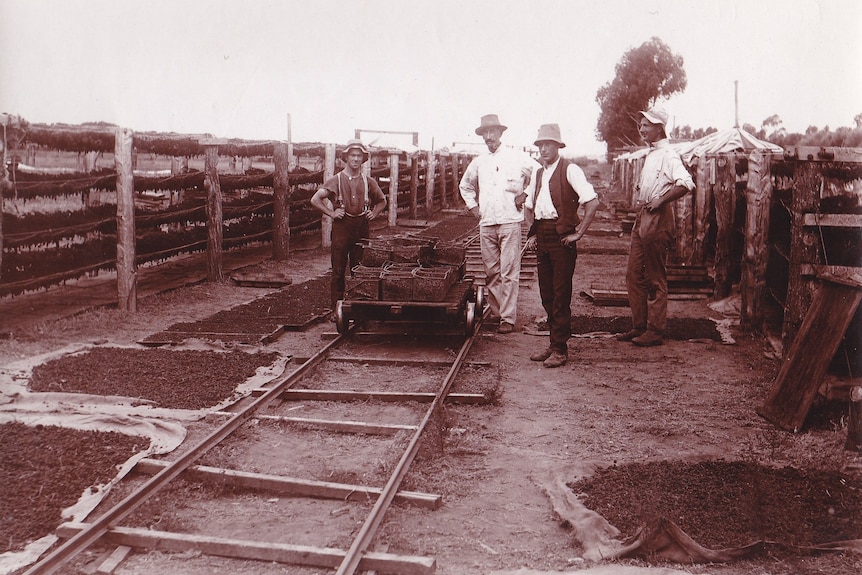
(468, 186)
(320, 201)
(379, 200)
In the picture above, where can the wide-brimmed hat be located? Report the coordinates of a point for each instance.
(355, 145)
(656, 115)
(550, 133)
(489, 121)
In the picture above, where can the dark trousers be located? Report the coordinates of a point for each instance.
(346, 232)
(555, 265)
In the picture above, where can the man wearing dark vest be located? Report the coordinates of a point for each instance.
(560, 188)
(354, 200)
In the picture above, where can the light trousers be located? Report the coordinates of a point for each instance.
(501, 254)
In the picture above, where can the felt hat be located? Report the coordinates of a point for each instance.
(355, 145)
(656, 115)
(489, 121)
(550, 133)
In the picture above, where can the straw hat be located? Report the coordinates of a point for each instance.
(489, 121)
(355, 145)
(550, 133)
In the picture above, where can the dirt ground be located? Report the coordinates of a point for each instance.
(506, 470)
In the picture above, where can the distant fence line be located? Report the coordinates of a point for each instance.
(161, 214)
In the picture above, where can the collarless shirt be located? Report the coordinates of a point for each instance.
(662, 170)
(541, 202)
(492, 180)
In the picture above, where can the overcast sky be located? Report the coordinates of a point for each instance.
(236, 69)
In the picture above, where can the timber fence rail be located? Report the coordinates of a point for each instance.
(57, 227)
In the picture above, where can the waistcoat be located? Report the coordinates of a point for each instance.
(564, 197)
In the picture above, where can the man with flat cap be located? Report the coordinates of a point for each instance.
(663, 180)
(493, 189)
(354, 200)
(560, 188)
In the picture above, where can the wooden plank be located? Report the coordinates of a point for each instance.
(272, 279)
(847, 275)
(338, 425)
(256, 550)
(833, 220)
(290, 485)
(346, 395)
(116, 557)
(399, 361)
(809, 357)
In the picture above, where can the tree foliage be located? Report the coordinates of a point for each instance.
(643, 75)
(772, 130)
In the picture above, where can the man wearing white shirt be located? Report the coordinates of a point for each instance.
(493, 189)
(560, 189)
(663, 180)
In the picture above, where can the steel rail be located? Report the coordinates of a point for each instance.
(360, 544)
(83, 539)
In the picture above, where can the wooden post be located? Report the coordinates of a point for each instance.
(414, 185)
(684, 229)
(724, 192)
(215, 272)
(328, 172)
(444, 181)
(5, 184)
(179, 165)
(393, 188)
(803, 247)
(854, 423)
(702, 203)
(456, 178)
(126, 265)
(281, 202)
(758, 198)
(430, 173)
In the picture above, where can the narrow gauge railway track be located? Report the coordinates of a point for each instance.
(304, 383)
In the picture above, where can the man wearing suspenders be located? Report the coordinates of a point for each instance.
(353, 201)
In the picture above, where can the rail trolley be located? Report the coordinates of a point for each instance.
(411, 281)
(463, 304)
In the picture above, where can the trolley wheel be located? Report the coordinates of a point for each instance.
(341, 322)
(480, 299)
(470, 324)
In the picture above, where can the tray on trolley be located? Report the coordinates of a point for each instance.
(462, 304)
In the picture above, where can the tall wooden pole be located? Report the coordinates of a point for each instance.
(215, 271)
(328, 172)
(126, 265)
(414, 185)
(393, 188)
(281, 202)
(4, 185)
(430, 172)
(736, 103)
(456, 178)
(290, 159)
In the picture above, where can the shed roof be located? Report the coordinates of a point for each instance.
(730, 140)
